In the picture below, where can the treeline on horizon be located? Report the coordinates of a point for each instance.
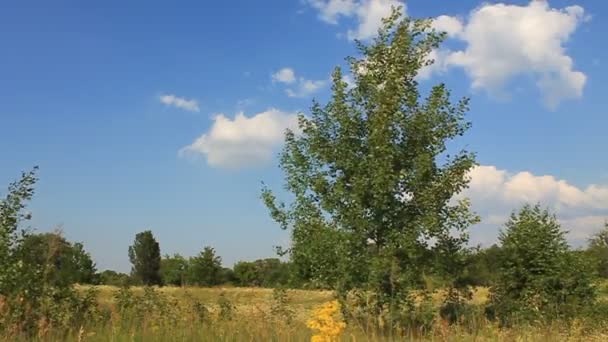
(74, 265)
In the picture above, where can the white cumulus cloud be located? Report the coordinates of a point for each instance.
(451, 25)
(242, 141)
(179, 102)
(299, 86)
(331, 10)
(306, 87)
(506, 41)
(285, 75)
(368, 14)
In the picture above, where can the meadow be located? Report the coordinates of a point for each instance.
(259, 314)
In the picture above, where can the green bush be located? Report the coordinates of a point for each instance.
(540, 278)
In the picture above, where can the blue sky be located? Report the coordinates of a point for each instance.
(167, 116)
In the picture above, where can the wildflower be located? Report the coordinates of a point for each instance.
(327, 323)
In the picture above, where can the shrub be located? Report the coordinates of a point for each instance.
(540, 278)
(280, 308)
(226, 308)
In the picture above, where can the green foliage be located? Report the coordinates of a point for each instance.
(205, 269)
(456, 309)
(540, 278)
(482, 266)
(11, 215)
(226, 276)
(372, 182)
(414, 312)
(150, 309)
(36, 273)
(145, 257)
(174, 270)
(270, 272)
(68, 263)
(113, 278)
(598, 250)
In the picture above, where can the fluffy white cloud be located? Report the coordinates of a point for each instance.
(490, 182)
(368, 14)
(179, 102)
(330, 10)
(285, 75)
(306, 88)
(506, 41)
(451, 25)
(242, 141)
(494, 193)
(300, 86)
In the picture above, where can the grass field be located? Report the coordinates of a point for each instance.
(253, 314)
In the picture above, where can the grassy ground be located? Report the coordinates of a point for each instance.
(175, 314)
(253, 320)
(247, 300)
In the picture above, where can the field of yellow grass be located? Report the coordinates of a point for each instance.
(254, 317)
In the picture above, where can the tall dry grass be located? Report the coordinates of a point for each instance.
(199, 314)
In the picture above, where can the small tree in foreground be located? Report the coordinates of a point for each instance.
(539, 277)
(68, 262)
(35, 289)
(145, 257)
(372, 181)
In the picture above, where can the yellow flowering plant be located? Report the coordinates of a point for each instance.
(327, 322)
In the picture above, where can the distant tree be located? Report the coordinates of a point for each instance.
(113, 278)
(86, 270)
(145, 258)
(66, 263)
(173, 270)
(246, 274)
(598, 250)
(270, 272)
(539, 277)
(205, 268)
(371, 177)
(227, 276)
(482, 267)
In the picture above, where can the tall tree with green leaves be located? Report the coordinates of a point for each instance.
(372, 182)
(145, 258)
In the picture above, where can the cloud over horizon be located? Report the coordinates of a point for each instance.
(495, 193)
